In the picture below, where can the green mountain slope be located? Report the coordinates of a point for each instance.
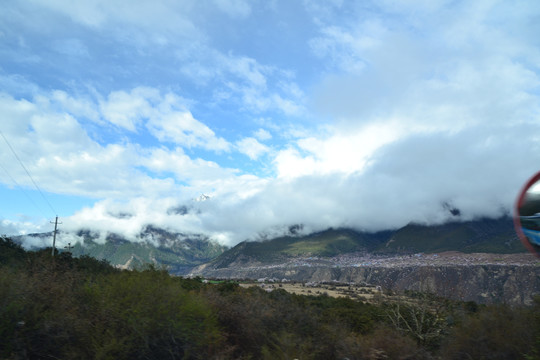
(328, 243)
(482, 235)
(180, 252)
(177, 252)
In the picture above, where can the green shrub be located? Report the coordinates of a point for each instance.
(496, 332)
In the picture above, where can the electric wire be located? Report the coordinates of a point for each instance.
(28, 173)
(24, 192)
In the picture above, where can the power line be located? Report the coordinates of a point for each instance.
(22, 189)
(28, 173)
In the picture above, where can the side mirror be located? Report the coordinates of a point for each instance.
(527, 215)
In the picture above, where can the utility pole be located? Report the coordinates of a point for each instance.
(54, 233)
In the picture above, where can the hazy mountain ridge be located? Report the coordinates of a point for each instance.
(327, 243)
(482, 235)
(480, 260)
(180, 252)
(177, 251)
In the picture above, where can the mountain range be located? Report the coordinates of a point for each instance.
(180, 252)
(480, 260)
(177, 252)
(476, 236)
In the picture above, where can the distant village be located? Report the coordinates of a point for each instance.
(441, 259)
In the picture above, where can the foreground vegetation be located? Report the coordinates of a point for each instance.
(82, 308)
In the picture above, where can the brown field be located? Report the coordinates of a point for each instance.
(364, 293)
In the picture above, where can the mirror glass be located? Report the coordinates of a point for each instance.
(527, 215)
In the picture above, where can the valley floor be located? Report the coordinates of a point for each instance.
(440, 259)
(449, 258)
(366, 293)
(479, 277)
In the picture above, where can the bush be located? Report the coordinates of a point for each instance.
(85, 309)
(496, 332)
(142, 315)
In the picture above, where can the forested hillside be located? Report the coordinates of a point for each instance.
(176, 251)
(479, 235)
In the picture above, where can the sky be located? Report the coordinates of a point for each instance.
(239, 119)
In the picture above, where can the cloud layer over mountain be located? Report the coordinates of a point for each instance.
(365, 114)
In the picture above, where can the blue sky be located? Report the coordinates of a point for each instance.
(365, 114)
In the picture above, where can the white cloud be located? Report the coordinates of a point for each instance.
(345, 49)
(413, 105)
(409, 180)
(169, 39)
(262, 134)
(78, 107)
(234, 8)
(251, 147)
(248, 69)
(184, 168)
(8, 227)
(60, 154)
(39, 136)
(290, 164)
(153, 17)
(435, 61)
(130, 217)
(127, 110)
(338, 152)
(245, 79)
(166, 117)
(182, 129)
(137, 213)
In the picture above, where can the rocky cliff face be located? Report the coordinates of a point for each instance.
(479, 260)
(512, 284)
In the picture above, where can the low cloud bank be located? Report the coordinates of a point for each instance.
(427, 179)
